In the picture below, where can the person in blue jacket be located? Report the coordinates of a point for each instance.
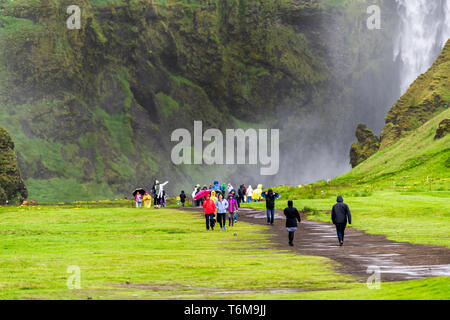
(270, 197)
(216, 185)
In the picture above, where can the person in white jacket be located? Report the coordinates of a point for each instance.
(249, 193)
(195, 203)
(229, 188)
(160, 192)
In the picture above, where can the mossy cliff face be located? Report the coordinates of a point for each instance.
(427, 96)
(367, 145)
(92, 110)
(12, 187)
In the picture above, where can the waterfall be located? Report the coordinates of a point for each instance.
(424, 30)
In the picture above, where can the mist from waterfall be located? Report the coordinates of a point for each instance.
(424, 30)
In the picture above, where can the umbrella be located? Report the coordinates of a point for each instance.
(201, 194)
(140, 190)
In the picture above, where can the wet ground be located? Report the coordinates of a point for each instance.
(396, 260)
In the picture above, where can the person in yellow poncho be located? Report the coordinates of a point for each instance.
(213, 196)
(147, 200)
(257, 193)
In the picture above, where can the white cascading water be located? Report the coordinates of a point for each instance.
(424, 30)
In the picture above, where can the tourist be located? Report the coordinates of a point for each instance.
(232, 209)
(221, 206)
(182, 198)
(292, 216)
(210, 209)
(249, 193)
(340, 214)
(147, 200)
(270, 197)
(138, 199)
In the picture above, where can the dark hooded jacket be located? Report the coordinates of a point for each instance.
(292, 215)
(270, 198)
(341, 212)
(241, 192)
(182, 196)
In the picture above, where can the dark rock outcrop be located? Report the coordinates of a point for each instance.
(367, 145)
(443, 129)
(12, 187)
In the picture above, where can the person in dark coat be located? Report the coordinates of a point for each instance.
(241, 194)
(340, 214)
(182, 198)
(270, 197)
(292, 216)
(154, 194)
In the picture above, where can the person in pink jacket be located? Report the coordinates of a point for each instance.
(232, 210)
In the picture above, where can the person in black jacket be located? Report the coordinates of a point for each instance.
(241, 193)
(182, 198)
(340, 214)
(270, 197)
(292, 216)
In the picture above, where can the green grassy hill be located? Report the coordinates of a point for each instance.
(415, 160)
(409, 152)
(427, 96)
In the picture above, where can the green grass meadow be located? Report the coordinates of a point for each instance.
(122, 252)
(128, 253)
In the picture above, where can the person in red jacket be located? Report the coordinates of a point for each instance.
(210, 209)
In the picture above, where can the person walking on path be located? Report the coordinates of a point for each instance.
(138, 199)
(182, 198)
(340, 214)
(232, 210)
(221, 206)
(270, 197)
(210, 209)
(249, 193)
(292, 216)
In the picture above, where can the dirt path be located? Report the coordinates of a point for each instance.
(397, 260)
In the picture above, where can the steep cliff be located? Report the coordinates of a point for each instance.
(92, 110)
(427, 96)
(414, 147)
